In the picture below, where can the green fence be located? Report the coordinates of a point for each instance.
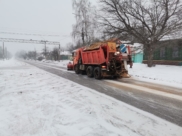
(137, 58)
(65, 57)
(171, 50)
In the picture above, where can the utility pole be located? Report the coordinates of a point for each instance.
(59, 53)
(35, 54)
(6, 53)
(45, 51)
(3, 50)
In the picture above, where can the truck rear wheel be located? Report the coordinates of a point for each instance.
(90, 71)
(97, 73)
(77, 71)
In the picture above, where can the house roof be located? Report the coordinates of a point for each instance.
(65, 53)
(137, 48)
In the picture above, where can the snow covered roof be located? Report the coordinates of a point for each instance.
(65, 53)
(174, 36)
(74, 50)
(125, 42)
(137, 48)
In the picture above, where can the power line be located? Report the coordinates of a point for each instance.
(29, 41)
(28, 34)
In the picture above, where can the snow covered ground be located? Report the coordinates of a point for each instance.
(35, 102)
(62, 63)
(9, 63)
(160, 74)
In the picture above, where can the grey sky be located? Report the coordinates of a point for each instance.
(52, 17)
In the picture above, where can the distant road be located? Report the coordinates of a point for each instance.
(164, 102)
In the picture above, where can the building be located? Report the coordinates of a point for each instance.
(137, 52)
(168, 53)
(65, 55)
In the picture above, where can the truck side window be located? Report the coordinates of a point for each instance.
(75, 54)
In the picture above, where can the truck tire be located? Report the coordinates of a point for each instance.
(90, 71)
(97, 73)
(114, 77)
(82, 72)
(77, 71)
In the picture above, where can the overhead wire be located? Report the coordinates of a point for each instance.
(29, 41)
(29, 34)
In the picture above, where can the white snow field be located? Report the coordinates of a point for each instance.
(160, 74)
(37, 103)
(62, 63)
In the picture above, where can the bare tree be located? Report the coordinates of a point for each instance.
(1, 52)
(145, 21)
(7, 54)
(31, 54)
(70, 47)
(45, 51)
(21, 54)
(55, 53)
(85, 21)
(34, 53)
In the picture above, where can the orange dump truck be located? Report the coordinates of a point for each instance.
(101, 60)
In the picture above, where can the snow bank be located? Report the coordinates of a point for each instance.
(34, 102)
(10, 63)
(160, 74)
(62, 63)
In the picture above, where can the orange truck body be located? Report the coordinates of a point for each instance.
(101, 60)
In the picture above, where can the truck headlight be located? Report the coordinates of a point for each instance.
(117, 53)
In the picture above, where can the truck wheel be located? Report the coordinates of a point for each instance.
(97, 73)
(77, 71)
(82, 72)
(90, 71)
(114, 77)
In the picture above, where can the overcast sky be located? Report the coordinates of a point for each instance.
(45, 17)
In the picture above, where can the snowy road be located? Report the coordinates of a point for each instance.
(164, 102)
(36, 102)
